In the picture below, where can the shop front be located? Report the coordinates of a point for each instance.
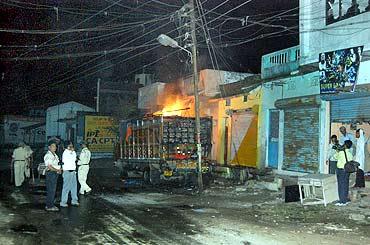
(301, 133)
(351, 110)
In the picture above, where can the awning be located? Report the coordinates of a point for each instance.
(241, 87)
(33, 126)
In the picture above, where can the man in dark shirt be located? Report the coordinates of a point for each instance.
(353, 10)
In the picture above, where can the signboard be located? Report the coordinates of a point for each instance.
(100, 133)
(339, 69)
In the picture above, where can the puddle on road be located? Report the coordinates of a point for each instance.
(25, 228)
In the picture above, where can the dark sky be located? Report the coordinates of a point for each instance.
(126, 30)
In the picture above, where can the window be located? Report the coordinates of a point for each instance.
(245, 98)
(297, 54)
(337, 10)
(227, 102)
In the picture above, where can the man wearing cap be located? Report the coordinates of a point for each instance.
(83, 168)
(19, 158)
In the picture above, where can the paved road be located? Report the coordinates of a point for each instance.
(221, 215)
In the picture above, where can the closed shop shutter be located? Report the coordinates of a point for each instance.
(301, 139)
(350, 110)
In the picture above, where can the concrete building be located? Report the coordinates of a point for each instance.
(14, 129)
(61, 120)
(297, 115)
(230, 98)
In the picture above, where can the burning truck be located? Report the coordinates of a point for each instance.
(163, 148)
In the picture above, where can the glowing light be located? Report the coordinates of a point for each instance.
(177, 106)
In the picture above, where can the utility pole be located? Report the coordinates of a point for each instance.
(97, 95)
(196, 94)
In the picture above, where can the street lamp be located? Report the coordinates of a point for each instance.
(169, 42)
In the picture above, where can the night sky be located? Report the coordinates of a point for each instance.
(67, 45)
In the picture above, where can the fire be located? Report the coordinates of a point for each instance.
(177, 106)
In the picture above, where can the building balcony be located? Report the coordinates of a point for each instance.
(280, 63)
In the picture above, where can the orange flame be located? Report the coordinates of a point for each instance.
(177, 106)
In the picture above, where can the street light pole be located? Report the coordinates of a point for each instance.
(167, 41)
(196, 94)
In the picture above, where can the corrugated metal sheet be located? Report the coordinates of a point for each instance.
(301, 139)
(350, 110)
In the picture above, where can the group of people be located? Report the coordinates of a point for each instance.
(21, 164)
(67, 167)
(340, 152)
(337, 10)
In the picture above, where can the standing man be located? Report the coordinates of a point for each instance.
(28, 161)
(330, 159)
(345, 136)
(83, 168)
(69, 176)
(53, 170)
(19, 158)
(342, 176)
(360, 158)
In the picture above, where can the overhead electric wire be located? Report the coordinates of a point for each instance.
(275, 33)
(48, 32)
(133, 9)
(46, 42)
(131, 40)
(74, 26)
(135, 55)
(204, 27)
(95, 66)
(232, 10)
(76, 55)
(213, 8)
(143, 10)
(75, 11)
(209, 42)
(98, 38)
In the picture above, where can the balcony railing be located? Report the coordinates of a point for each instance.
(280, 63)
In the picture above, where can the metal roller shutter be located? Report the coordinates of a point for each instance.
(350, 110)
(301, 139)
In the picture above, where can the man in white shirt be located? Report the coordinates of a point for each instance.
(19, 158)
(83, 168)
(330, 159)
(53, 170)
(346, 136)
(69, 176)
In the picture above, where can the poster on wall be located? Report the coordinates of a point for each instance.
(100, 133)
(339, 69)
